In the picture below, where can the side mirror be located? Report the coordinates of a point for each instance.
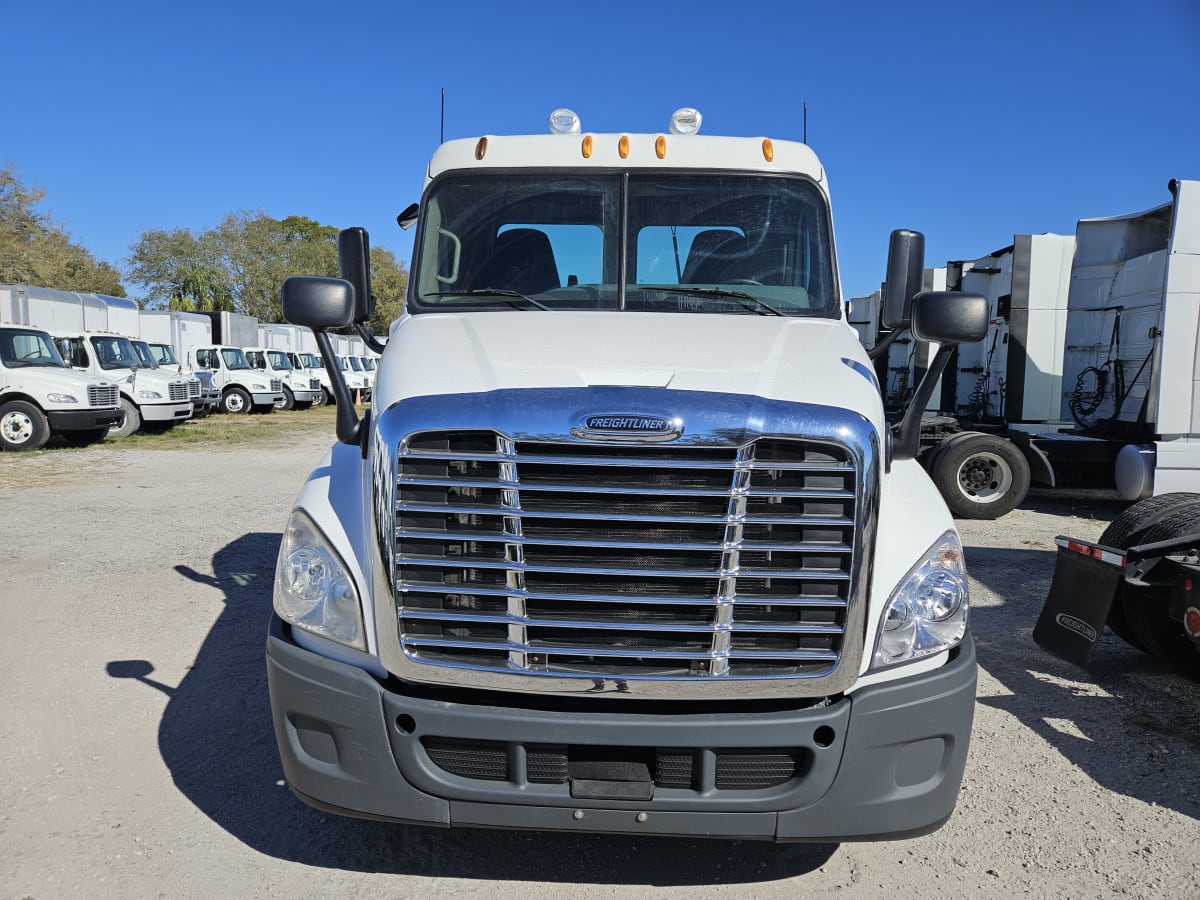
(354, 265)
(905, 273)
(950, 317)
(317, 302)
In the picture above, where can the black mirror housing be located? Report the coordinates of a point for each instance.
(354, 265)
(950, 317)
(905, 274)
(320, 303)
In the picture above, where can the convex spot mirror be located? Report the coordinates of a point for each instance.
(320, 303)
(950, 317)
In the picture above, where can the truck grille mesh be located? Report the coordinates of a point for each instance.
(177, 391)
(104, 395)
(669, 562)
(276, 385)
(193, 389)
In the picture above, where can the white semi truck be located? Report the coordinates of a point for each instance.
(625, 542)
(79, 324)
(1131, 383)
(41, 396)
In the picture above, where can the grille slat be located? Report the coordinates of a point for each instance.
(177, 391)
(656, 561)
(105, 395)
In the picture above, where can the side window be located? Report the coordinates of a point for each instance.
(73, 352)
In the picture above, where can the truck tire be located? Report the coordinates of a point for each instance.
(1126, 531)
(1146, 608)
(288, 401)
(132, 423)
(320, 401)
(235, 401)
(85, 437)
(23, 426)
(980, 476)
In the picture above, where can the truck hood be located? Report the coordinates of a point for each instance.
(799, 360)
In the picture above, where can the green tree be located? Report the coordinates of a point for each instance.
(36, 250)
(243, 262)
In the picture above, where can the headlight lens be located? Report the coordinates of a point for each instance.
(61, 398)
(150, 395)
(928, 612)
(313, 591)
(258, 387)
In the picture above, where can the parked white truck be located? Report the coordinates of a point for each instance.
(155, 330)
(299, 389)
(1131, 382)
(41, 396)
(79, 325)
(624, 542)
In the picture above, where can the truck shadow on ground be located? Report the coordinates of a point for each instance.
(218, 743)
(1128, 723)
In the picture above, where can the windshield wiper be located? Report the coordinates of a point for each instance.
(495, 292)
(760, 306)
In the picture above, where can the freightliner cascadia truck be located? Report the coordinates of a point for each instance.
(623, 542)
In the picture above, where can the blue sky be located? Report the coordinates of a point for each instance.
(971, 122)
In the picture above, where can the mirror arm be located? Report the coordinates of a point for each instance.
(906, 435)
(347, 419)
(881, 348)
(368, 338)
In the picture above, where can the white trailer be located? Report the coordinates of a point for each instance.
(79, 325)
(626, 543)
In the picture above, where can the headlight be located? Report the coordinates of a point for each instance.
(258, 387)
(61, 398)
(928, 612)
(313, 591)
(150, 395)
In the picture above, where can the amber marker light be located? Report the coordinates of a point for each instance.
(623, 146)
(587, 146)
(660, 147)
(768, 150)
(481, 148)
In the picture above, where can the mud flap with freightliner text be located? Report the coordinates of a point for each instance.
(1086, 581)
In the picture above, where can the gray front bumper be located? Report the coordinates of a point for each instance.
(885, 762)
(268, 399)
(165, 412)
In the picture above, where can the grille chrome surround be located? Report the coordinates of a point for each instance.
(177, 391)
(728, 564)
(103, 395)
(193, 387)
(276, 385)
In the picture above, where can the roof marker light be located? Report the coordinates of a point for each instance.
(660, 147)
(623, 146)
(564, 121)
(481, 148)
(768, 150)
(686, 121)
(587, 146)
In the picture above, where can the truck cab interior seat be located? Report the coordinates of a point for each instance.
(522, 261)
(715, 256)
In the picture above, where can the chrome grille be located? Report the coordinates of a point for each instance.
(104, 395)
(177, 391)
(193, 389)
(276, 385)
(677, 562)
(314, 384)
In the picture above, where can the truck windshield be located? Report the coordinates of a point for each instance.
(234, 358)
(309, 361)
(144, 355)
(354, 364)
(368, 363)
(20, 349)
(278, 361)
(693, 242)
(115, 352)
(163, 355)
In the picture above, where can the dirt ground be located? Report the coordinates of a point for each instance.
(137, 757)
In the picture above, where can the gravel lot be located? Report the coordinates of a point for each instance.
(138, 760)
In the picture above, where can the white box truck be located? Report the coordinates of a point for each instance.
(79, 325)
(625, 542)
(41, 396)
(293, 340)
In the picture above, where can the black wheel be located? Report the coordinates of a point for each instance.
(981, 476)
(133, 420)
(235, 401)
(288, 401)
(1146, 608)
(1126, 531)
(328, 395)
(23, 426)
(85, 437)
(320, 401)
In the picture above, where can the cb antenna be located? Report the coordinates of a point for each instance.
(442, 133)
(806, 121)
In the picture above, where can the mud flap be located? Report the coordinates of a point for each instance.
(1086, 581)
